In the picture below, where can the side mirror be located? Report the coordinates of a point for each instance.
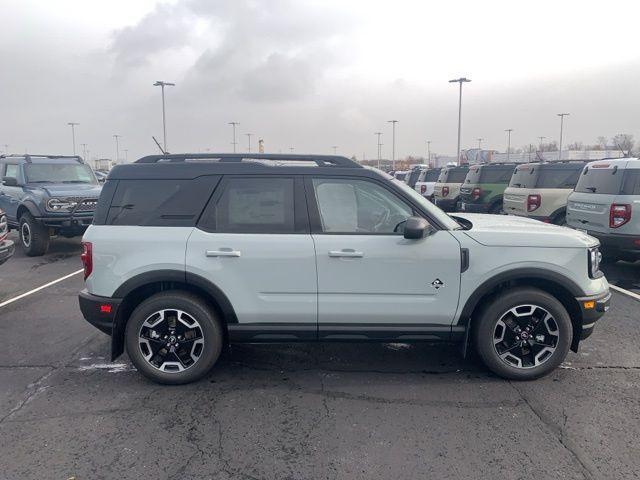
(10, 181)
(416, 228)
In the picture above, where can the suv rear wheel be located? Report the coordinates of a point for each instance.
(34, 236)
(173, 337)
(523, 334)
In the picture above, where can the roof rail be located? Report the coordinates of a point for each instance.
(320, 160)
(28, 156)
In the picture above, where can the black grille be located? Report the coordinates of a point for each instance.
(87, 205)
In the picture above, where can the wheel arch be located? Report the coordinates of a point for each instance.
(138, 288)
(556, 284)
(27, 206)
(558, 212)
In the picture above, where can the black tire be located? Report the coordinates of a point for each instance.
(34, 236)
(486, 330)
(496, 209)
(196, 309)
(560, 219)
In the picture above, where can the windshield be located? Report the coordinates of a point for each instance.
(600, 180)
(442, 217)
(59, 173)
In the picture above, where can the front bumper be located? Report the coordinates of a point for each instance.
(99, 311)
(79, 222)
(592, 309)
(447, 204)
(6, 250)
(615, 242)
(474, 207)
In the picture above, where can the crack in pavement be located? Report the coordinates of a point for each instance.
(32, 390)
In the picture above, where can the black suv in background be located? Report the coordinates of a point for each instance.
(46, 195)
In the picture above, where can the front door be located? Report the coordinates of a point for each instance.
(368, 273)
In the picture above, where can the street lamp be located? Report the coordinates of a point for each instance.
(541, 140)
(508, 130)
(335, 149)
(460, 81)
(249, 140)
(480, 143)
(234, 125)
(73, 134)
(84, 150)
(393, 143)
(117, 147)
(161, 84)
(379, 134)
(561, 115)
(429, 152)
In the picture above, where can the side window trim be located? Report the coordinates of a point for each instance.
(315, 220)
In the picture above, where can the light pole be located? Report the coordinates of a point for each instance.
(460, 81)
(84, 150)
(508, 130)
(379, 134)
(6, 148)
(126, 155)
(161, 84)
(429, 152)
(480, 143)
(249, 140)
(291, 149)
(234, 125)
(118, 147)
(73, 134)
(335, 149)
(393, 143)
(561, 115)
(540, 144)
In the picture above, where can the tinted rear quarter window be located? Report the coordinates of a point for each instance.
(600, 180)
(176, 203)
(457, 175)
(524, 177)
(432, 175)
(551, 177)
(496, 175)
(631, 183)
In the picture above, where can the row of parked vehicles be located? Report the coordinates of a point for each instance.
(596, 197)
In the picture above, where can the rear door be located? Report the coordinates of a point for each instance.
(253, 244)
(368, 273)
(589, 205)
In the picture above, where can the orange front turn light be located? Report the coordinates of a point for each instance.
(591, 304)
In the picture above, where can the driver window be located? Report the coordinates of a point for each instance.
(359, 206)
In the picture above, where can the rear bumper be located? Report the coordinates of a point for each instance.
(618, 243)
(6, 250)
(592, 309)
(447, 204)
(99, 311)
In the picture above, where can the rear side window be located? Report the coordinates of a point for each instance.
(600, 180)
(496, 175)
(524, 177)
(631, 183)
(558, 177)
(413, 177)
(176, 203)
(12, 171)
(432, 175)
(253, 205)
(456, 175)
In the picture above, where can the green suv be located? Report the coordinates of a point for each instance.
(484, 187)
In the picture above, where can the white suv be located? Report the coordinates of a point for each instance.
(189, 252)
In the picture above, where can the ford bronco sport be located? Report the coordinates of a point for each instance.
(606, 205)
(426, 182)
(45, 195)
(484, 186)
(189, 252)
(447, 188)
(540, 190)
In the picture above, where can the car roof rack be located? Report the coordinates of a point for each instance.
(320, 160)
(28, 156)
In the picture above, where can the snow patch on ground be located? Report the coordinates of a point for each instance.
(398, 346)
(109, 367)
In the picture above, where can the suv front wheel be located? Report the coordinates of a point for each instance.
(173, 337)
(523, 334)
(34, 236)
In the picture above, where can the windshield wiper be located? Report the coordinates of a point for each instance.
(592, 189)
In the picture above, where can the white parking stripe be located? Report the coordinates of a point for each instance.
(26, 294)
(617, 289)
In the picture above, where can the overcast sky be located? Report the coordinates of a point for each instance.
(313, 74)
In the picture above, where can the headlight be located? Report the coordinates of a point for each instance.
(60, 205)
(594, 262)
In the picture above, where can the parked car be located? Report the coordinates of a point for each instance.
(484, 186)
(45, 195)
(426, 182)
(412, 177)
(606, 205)
(447, 188)
(541, 190)
(250, 249)
(6, 245)
(400, 174)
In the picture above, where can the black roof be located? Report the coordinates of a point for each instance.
(31, 157)
(192, 165)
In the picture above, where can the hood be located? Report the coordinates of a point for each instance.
(512, 231)
(72, 190)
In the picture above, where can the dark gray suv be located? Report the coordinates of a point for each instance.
(45, 195)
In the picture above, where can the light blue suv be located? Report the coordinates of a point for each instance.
(189, 252)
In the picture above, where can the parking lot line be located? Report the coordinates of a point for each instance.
(617, 289)
(26, 294)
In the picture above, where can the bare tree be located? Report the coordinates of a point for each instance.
(624, 142)
(602, 143)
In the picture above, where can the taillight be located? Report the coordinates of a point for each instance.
(87, 258)
(423, 188)
(619, 214)
(476, 192)
(445, 191)
(533, 202)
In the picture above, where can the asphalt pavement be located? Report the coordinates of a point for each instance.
(336, 411)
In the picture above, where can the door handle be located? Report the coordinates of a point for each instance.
(223, 252)
(346, 253)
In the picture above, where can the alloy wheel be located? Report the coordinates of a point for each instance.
(25, 234)
(526, 336)
(171, 340)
